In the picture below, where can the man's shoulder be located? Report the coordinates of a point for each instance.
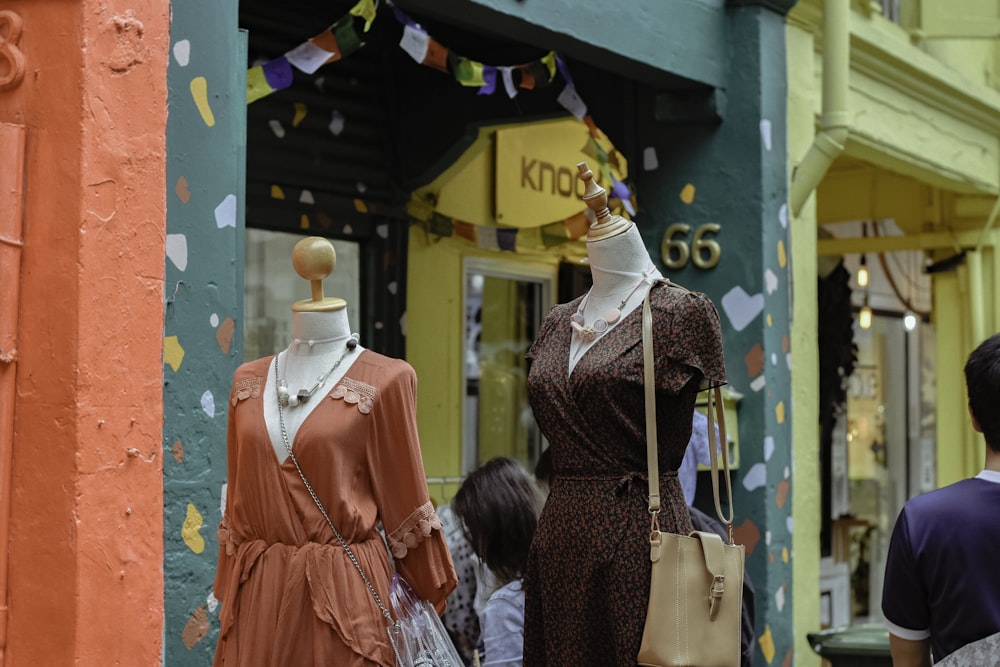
(950, 508)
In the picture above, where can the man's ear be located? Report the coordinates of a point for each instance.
(975, 422)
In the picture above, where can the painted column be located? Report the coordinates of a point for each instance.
(733, 175)
(202, 336)
(85, 548)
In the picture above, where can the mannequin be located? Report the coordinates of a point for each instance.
(305, 539)
(619, 265)
(587, 582)
(321, 341)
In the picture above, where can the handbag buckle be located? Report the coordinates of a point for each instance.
(715, 594)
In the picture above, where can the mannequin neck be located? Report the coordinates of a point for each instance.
(619, 261)
(319, 326)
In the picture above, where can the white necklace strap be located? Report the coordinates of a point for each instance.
(317, 341)
(645, 273)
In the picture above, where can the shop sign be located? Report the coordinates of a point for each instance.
(536, 170)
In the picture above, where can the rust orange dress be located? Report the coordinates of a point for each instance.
(289, 592)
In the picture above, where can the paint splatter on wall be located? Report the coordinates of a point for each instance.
(203, 304)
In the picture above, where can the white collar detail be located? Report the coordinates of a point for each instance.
(989, 476)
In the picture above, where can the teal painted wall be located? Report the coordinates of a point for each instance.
(734, 174)
(203, 311)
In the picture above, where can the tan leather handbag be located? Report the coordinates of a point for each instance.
(696, 588)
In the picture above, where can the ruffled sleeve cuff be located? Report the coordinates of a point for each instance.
(422, 556)
(413, 530)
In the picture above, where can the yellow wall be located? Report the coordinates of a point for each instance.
(435, 323)
(805, 360)
(434, 326)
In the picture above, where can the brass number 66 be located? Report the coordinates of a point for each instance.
(704, 253)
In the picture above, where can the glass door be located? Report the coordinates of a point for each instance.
(504, 303)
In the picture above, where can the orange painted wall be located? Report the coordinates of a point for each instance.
(85, 572)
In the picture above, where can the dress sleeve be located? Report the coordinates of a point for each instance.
(687, 340)
(539, 342)
(224, 565)
(412, 528)
(904, 599)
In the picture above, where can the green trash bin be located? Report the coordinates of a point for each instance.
(863, 645)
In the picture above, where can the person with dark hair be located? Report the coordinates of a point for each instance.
(942, 585)
(498, 505)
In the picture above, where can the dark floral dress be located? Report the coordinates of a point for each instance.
(587, 585)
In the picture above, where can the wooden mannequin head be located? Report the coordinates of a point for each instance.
(314, 258)
(596, 198)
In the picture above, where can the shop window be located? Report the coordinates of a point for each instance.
(271, 285)
(504, 306)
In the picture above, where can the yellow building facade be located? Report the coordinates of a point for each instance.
(893, 122)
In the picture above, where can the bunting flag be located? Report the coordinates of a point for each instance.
(342, 39)
(338, 41)
(490, 237)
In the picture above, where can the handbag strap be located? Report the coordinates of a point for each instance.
(652, 454)
(340, 538)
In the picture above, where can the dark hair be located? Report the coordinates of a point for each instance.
(499, 505)
(982, 378)
(543, 467)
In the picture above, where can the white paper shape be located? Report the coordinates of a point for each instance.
(758, 383)
(214, 320)
(182, 52)
(306, 197)
(361, 187)
(225, 212)
(414, 42)
(277, 128)
(649, 159)
(507, 74)
(783, 216)
(771, 281)
(177, 250)
(765, 133)
(212, 603)
(392, 287)
(308, 57)
(787, 472)
(788, 360)
(572, 102)
(767, 538)
(774, 359)
(348, 229)
(768, 447)
(336, 123)
(779, 598)
(222, 498)
(788, 524)
(756, 477)
(742, 308)
(382, 231)
(208, 403)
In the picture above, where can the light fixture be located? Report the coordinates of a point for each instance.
(909, 321)
(863, 272)
(865, 316)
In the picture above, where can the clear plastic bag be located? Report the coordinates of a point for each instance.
(418, 637)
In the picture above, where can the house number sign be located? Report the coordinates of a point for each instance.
(11, 57)
(702, 249)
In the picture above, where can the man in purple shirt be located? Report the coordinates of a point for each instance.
(942, 580)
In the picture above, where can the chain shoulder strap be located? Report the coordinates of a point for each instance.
(319, 504)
